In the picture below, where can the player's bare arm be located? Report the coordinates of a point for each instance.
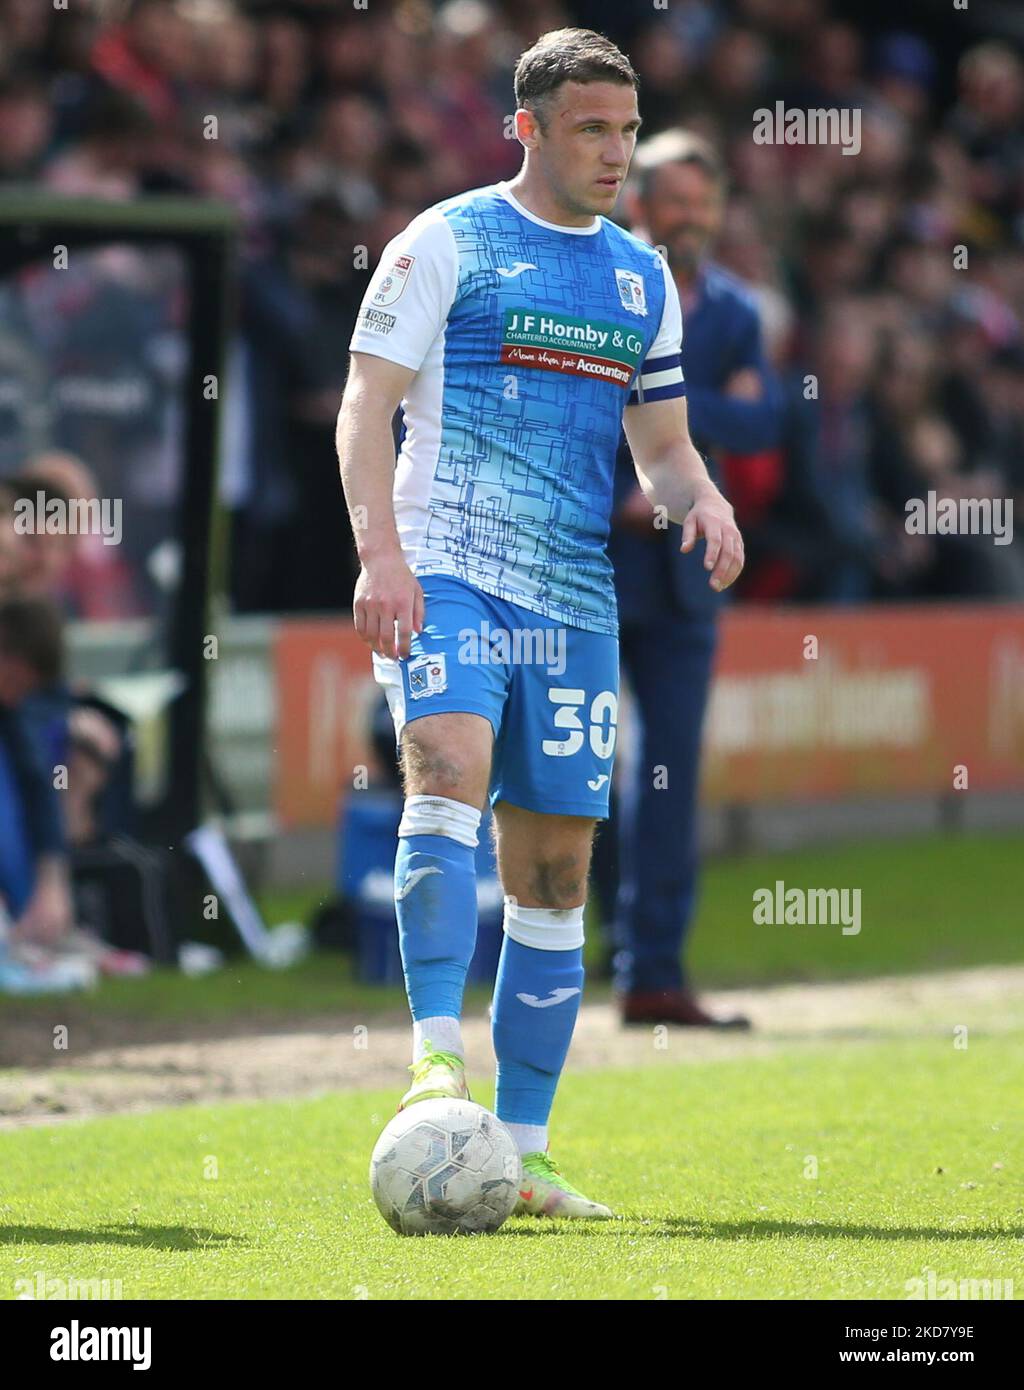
(672, 475)
(387, 592)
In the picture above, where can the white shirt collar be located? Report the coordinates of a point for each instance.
(510, 197)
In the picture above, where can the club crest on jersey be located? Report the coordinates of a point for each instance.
(427, 676)
(394, 282)
(631, 291)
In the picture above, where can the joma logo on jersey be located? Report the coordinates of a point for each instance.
(581, 347)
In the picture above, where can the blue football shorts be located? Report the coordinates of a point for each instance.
(550, 693)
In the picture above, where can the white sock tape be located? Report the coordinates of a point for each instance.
(440, 815)
(544, 928)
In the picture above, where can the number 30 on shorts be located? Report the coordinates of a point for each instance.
(604, 710)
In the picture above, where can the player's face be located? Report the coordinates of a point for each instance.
(682, 212)
(586, 149)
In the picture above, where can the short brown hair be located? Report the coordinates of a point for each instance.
(568, 55)
(32, 630)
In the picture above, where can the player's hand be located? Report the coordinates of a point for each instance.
(48, 915)
(388, 605)
(711, 516)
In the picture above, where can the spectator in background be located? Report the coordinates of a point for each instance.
(826, 435)
(26, 128)
(903, 71)
(94, 748)
(84, 573)
(34, 879)
(124, 891)
(149, 56)
(227, 71)
(915, 450)
(35, 845)
(988, 121)
(343, 155)
(472, 82)
(43, 557)
(320, 265)
(667, 612)
(274, 361)
(108, 159)
(10, 550)
(26, 27)
(1003, 388)
(280, 100)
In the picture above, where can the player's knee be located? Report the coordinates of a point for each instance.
(433, 768)
(559, 880)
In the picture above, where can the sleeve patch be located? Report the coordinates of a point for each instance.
(392, 286)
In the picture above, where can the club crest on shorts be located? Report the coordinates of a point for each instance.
(428, 675)
(394, 282)
(631, 291)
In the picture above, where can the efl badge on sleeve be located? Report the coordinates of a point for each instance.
(427, 676)
(394, 282)
(631, 291)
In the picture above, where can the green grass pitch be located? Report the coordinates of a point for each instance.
(825, 1171)
(934, 903)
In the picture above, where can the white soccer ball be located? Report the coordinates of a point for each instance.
(445, 1167)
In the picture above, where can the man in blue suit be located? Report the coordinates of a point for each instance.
(667, 610)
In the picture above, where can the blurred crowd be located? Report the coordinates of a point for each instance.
(78, 894)
(332, 127)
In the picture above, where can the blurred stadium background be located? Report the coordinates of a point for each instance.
(192, 196)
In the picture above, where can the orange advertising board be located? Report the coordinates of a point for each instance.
(811, 703)
(832, 703)
(325, 689)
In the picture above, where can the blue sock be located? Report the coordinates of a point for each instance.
(531, 1040)
(437, 920)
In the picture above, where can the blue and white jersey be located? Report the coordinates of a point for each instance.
(528, 339)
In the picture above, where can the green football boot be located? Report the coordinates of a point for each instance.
(435, 1076)
(544, 1192)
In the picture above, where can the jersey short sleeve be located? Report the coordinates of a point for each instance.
(406, 303)
(660, 375)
